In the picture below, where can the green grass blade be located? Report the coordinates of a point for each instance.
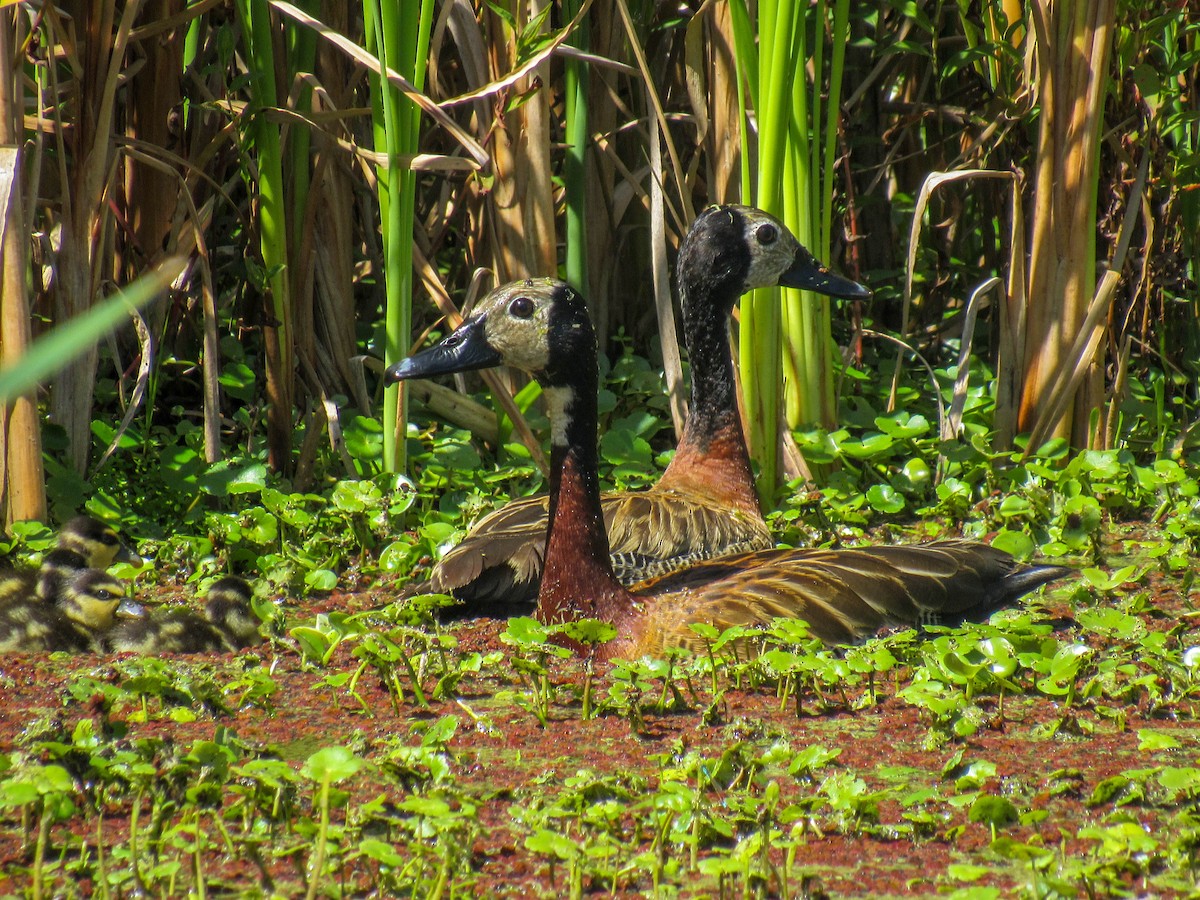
(54, 350)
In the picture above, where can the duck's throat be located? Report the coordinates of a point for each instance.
(712, 456)
(577, 576)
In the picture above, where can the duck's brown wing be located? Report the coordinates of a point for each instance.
(843, 595)
(656, 532)
(499, 563)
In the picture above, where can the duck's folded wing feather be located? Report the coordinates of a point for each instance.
(650, 533)
(843, 595)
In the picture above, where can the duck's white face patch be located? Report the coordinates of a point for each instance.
(518, 325)
(772, 248)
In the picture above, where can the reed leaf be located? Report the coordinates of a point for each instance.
(66, 341)
(273, 229)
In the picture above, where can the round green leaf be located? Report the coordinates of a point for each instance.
(884, 498)
(331, 764)
(321, 580)
(1017, 543)
(995, 811)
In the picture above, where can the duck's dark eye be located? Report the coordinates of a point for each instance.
(521, 307)
(767, 234)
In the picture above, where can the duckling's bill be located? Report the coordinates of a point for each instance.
(130, 609)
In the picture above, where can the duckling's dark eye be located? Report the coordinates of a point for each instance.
(521, 307)
(767, 234)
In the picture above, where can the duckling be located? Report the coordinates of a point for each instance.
(542, 327)
(97, 541)
(227, 623)
(228, 608)
(705, 505)
(83, 543)
(87, 605)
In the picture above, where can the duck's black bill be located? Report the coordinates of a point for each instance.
(809, 274)
(464, 350)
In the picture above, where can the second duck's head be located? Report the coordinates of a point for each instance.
(538, 325)
(734, 249)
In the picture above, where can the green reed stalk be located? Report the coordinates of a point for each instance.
(760, 346)
(263, 135)
(302, 57)
(574, 174)
(797, 134)
(401, 42)
(809, 389)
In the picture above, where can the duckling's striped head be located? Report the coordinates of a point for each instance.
(94, 599)
(98, 542)
(232, 589)
(228, 606)
(745, 247)
(58, 566)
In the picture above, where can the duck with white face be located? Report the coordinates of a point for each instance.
(705, 504)
(542, 326)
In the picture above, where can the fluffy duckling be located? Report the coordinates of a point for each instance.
(88, 604)
(97, 541)
(84, 542)
(227, 623)
(57, 568)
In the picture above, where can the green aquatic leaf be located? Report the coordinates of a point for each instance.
(331, 765)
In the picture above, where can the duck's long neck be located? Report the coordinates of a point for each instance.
(577, 576)
(712, 453)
